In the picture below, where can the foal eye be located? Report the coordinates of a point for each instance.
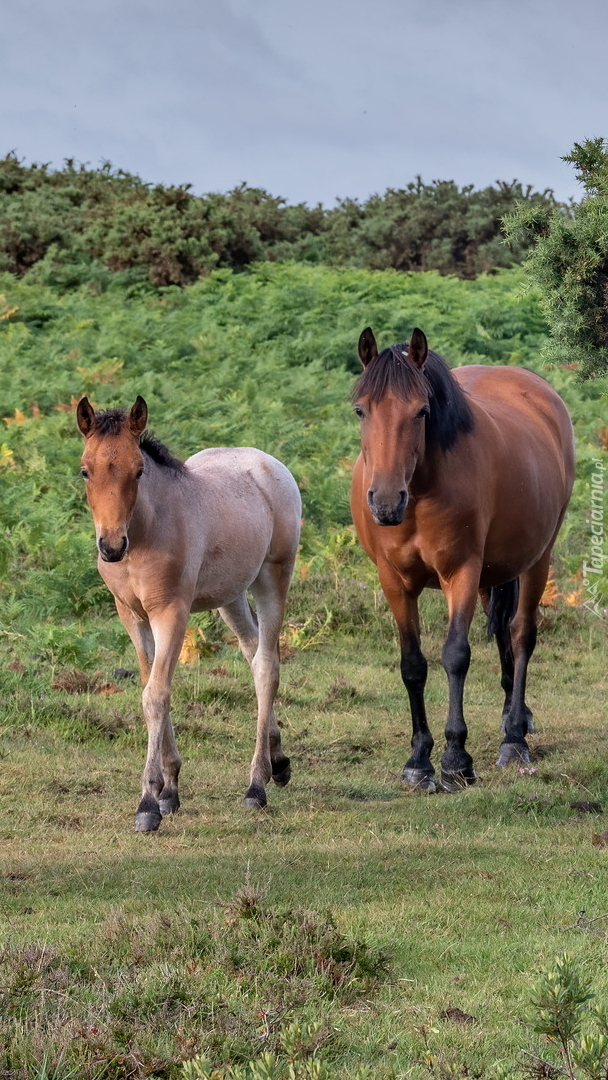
(84, 473)
(139, 474)
(359, 412)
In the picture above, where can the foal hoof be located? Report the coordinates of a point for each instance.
(255, 798)
(281, 772)
(513, 754)
(169, 805)
(419, 779)
(147, 821)
(453, 782)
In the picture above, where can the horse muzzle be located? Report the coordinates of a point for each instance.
(112, 552)
(387, 511)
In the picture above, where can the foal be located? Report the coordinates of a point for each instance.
(175, 537)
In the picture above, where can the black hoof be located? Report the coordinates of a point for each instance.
(255, 797)
(454, 782)
(147, 821)
(169, 804)
(419, 779)
(281, 772)
(513, 754)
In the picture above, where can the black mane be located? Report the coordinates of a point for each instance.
(391, 371)
(110, 421)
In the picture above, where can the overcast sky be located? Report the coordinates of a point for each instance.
(313, 100)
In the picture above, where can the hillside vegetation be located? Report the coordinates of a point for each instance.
(263, 358)
(66, 226)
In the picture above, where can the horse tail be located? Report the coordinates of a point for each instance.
(502, 608)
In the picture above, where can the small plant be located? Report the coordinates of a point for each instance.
(299, 1058)
(562, 1015)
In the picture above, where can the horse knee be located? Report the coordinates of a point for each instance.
(414, 670)
(456, 655)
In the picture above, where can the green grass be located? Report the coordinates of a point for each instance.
(351, 902)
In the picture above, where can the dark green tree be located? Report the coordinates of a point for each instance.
(569, 262)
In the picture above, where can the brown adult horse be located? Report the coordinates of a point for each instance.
(178, 537)
(462, 483)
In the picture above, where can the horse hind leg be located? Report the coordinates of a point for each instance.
(500, 604)
(242, 620)
(269, 761)
(514, 748)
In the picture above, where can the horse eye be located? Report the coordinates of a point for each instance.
(84, 473)
(359, 412)
(424, 412)
(139, 474)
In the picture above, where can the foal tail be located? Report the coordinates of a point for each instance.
(501, 609)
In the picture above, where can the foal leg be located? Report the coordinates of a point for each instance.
(514, 747)
(159, 781)
(140, 632)
(418, 770)
(270, 594)
(461, 592)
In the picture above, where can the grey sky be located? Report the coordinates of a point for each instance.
(312, 100)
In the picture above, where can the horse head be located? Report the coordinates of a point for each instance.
(111, 466)
(391, 398)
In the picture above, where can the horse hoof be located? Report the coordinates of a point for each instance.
(453, 782)
(147, 821)
(513, 754)
(255, 798)
(282, 775)
(419, 779)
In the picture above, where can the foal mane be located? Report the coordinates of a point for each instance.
(110, 421)
(392, 372)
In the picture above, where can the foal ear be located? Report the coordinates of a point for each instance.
(368, 350)
(418, 348)
(138, 417)
(85, 417)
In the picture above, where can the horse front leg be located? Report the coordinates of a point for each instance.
(456, 763)
(516, 721)
(161, 771)
(418, 770)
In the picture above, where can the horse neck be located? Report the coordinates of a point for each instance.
(156, 501)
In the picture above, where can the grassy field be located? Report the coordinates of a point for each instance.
(409, 928)
(402, 932)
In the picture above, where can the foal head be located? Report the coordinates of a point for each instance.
(111, 465)
(392, 400)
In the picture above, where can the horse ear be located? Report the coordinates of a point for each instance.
(418, 348)
(138, 417)
(368, 350)
(85, 417)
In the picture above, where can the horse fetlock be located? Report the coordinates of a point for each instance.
(528, 722)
